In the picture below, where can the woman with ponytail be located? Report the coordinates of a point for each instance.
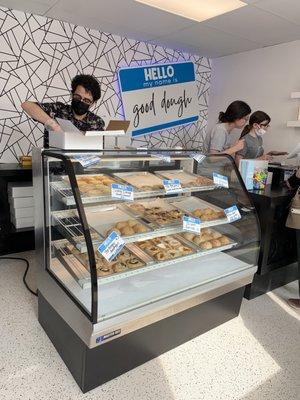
(235, 117)
(259, 123)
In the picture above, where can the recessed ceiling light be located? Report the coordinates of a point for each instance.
(198, 10)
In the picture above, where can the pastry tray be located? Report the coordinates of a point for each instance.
(140, 179)
(191, 203)
(105, 218)
(159, 247)
(185, 178)
(161, 203)
(64, 192)
(198, 248)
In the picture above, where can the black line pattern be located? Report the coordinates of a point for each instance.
(38, 58)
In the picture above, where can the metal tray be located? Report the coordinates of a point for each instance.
(191, 203)
(188, 180)
(142, 181)
(162, 246)
(63, 191)
(196, 246)
(159, 203)
(105, 219)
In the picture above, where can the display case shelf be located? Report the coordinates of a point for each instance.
(65, 195)
(59, 219)
(82, 276)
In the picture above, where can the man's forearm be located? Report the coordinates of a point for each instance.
(35, 111)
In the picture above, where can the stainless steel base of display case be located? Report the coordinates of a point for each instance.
(93, 367)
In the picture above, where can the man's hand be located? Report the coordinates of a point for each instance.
(52, 125)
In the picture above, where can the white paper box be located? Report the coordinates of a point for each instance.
(22, 212)
(20, 189)
(20, 202)
(75, 141)
(22, 222)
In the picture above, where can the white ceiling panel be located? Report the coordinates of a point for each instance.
(102, 25)
(134, 16)
(209, 41)
(289, 9)
(261, 23)
(256, 25)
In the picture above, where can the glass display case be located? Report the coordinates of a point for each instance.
(131, 238)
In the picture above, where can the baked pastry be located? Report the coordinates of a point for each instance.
(128, 228)
(224, 240)
(208, 214)
(216, 235)
(215, 243)
(127, 231)
(164, 248)
(119, 267)
(188, 236)
(206, 245)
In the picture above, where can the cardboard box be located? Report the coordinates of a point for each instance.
(22, 212)
(19, 189)
(20, 202)
(23, 222)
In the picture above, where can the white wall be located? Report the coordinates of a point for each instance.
(38, 58)
(264, 78)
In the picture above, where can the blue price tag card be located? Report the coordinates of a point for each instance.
(191, 224)
(122, 192)
(232, 213)
(220, 180)
(163, 157)
(172, 185)
(198, 157)
(87, 161)
(111, 246)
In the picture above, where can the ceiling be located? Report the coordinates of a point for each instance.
(259, 24)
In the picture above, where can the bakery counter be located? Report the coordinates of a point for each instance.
(134, 248)
(278, 252)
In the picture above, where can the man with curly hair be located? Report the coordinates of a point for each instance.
(85, 91)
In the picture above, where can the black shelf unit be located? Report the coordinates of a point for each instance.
(13, 240)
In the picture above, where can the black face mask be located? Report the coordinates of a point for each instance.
(79, 107)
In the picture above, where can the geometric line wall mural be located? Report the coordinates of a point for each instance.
(38, 58)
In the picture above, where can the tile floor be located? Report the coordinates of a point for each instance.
(253, 357)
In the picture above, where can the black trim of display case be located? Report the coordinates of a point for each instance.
(86, 232)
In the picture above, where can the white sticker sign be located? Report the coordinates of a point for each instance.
(232, 214)
(111, 246)
(122, 192)
(159, 96)
(220, 180)
(191, 224)
(87, 161)
(198, 157)
(162, 157)
(172, 185)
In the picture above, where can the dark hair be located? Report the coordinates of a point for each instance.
(89, 83)
(256, 118)
(236, 110)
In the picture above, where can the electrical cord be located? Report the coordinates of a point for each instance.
(25, 273)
